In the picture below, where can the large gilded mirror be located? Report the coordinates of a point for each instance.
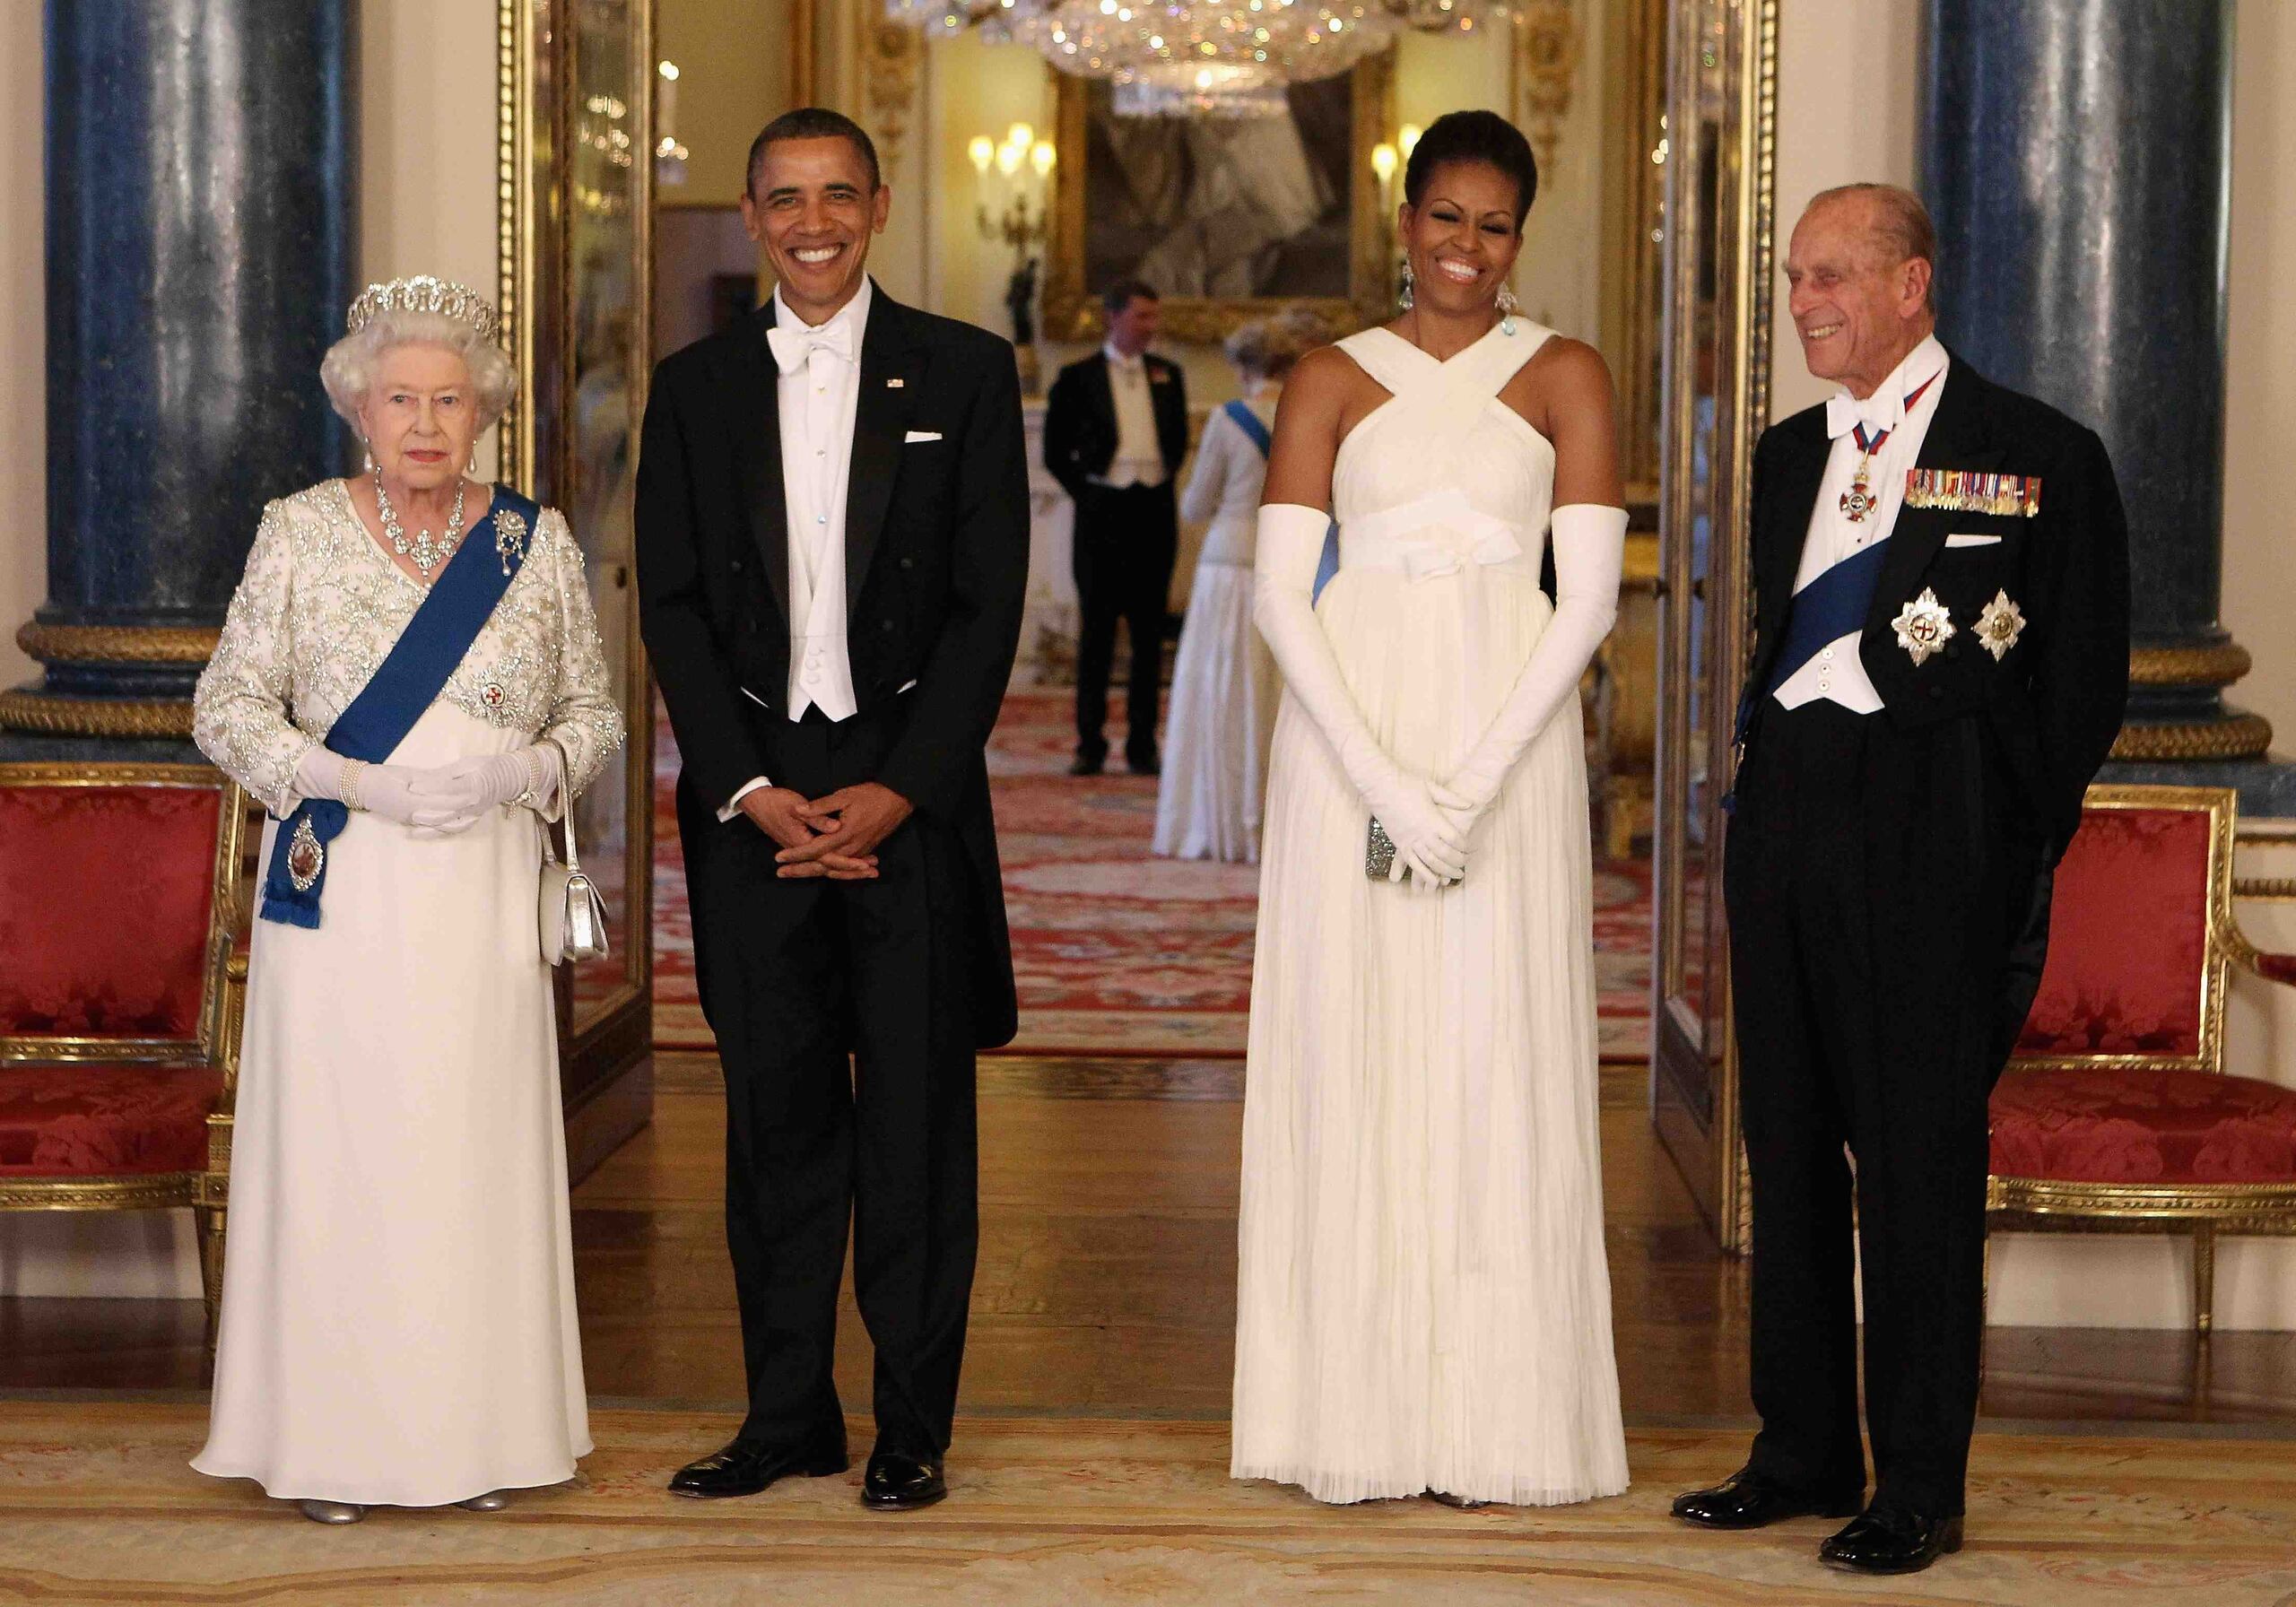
(1721, 101)
(575, 197)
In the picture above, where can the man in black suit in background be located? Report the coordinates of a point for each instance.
(832, 550)
(1114, 430)
(1939, 664)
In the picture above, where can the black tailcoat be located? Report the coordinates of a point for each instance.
(846, 1014)
(1887, 882)
(1080, 432)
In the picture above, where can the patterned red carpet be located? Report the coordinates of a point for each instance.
(1118, 952)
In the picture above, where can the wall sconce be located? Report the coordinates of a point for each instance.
(1014, 208)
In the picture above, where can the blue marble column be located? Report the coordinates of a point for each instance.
(2076, 154)
(201, 234)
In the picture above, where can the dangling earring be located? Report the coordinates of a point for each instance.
(368, 452)
(1404, 299)
(1507, 308)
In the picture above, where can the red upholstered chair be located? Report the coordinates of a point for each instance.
(2115, 1112)
(119, 1014)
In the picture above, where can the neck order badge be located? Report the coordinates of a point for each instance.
(1859, 499)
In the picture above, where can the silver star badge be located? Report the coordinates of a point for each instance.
(1999, 626)
(1924, 626)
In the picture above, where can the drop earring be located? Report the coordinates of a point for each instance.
(1507, 307)
(1403, 297)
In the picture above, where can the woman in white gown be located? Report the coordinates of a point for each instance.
(1225, 686)
(398, 1296)
(1424, 1303)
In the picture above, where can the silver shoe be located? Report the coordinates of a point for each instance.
(1463, 1503)
(493, 1500)
(332, 1511)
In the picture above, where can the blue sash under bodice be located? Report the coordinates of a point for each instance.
(404, 686)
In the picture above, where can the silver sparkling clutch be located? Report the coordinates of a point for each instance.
(1379, 853)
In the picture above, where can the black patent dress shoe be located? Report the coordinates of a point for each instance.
(747, 1466)
(897, 1481)
(1749, 1499)
(1890, 1540)
(1146, 765)
(1082, 766)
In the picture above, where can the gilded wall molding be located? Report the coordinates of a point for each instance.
(893, 64)
(1549, 45)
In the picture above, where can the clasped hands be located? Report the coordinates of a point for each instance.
(835, 836)
(1429, 820)
(437, 800)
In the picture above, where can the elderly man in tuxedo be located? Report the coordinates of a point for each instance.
(832, 549)
(1940, 661)
(1114, 430)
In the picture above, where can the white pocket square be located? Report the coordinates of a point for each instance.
(915, 436)
(1973, 540)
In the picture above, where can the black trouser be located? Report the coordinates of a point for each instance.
(844, 1021)
(1126, 542)
(1874, 880)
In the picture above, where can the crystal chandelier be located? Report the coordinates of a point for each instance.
(1226, 59)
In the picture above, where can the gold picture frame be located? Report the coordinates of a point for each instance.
(1722, 101)
(1071, 307)
(575, 260)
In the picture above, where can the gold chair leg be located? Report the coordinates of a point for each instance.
(2203, 1278)
(211, 1265)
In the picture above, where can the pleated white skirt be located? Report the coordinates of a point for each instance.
(398, 1322)
(1225, 694)
(1423, 1301)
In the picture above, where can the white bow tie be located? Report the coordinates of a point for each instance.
(792, 347)
(1881, 411)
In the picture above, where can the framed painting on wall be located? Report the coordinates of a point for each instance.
(1226, 217)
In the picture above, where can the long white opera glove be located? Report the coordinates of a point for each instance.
(1590, 551)
(383, 789)
(1291, 542)
(451, 796)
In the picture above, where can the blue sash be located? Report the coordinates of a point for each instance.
(1825, 611)
(1247, 421)
(404, 685)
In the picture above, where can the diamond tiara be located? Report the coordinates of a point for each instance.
(423, 293)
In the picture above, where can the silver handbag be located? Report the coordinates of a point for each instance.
(571, 917)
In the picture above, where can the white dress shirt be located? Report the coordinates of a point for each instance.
(819, 389)
(1837, 673)
(1139, 457)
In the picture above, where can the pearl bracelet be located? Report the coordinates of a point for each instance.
(349, 785)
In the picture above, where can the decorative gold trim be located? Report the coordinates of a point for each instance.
(204, 1044)
(150, 1192)
(1072, 309)
(1634, 211)
(2266, 1208)
(1548, 47)
(2238, 736)
(893, 61)
(116, 644)
(95, 717)
(2220, 663)
(2266, 889)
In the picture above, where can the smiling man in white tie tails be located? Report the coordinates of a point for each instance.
(1941, 661)
(832, 548)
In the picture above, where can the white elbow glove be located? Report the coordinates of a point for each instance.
(383, 789)
(1590, 551)
(1291, 542)
(451, 796)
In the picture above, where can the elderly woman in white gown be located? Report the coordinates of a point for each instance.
(398, 1298)
(1224, 684)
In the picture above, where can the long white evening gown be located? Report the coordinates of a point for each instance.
(1224, 684)
(1424, 1302)
(398, 1323)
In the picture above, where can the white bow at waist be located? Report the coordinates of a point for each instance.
(1439, 534)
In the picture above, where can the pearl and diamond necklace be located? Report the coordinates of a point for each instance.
(428, 552)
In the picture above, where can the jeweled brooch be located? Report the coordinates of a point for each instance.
(493, 695)
(1999, 626)
(1924, 626)
(509, 537)
(306, 857)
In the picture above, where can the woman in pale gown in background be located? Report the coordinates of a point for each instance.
(1225, 686)
(398, 1321)
(1423, 1304)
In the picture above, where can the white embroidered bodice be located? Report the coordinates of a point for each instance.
(319, 607)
